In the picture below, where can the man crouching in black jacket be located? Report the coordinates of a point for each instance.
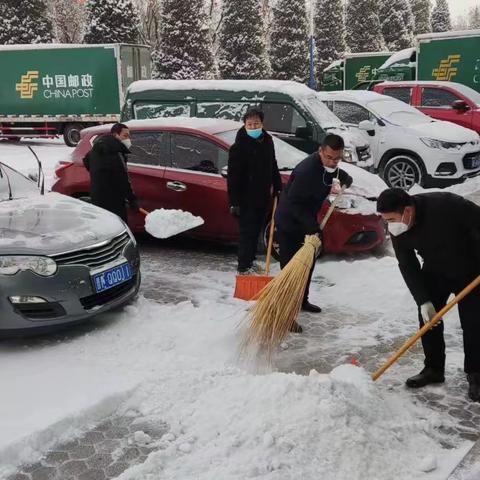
(444, 229)
(252, 173)
(302, 200)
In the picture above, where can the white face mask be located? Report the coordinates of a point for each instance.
(127, 142)
(330, 169)
(397, 228)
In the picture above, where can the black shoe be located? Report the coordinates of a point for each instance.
(309, 307)
(296, 328)
(474, 386)
(427, 376)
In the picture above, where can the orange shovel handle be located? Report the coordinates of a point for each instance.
(142, 210)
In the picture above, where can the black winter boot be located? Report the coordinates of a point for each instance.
(474, 386)
(426, 377)
(309, 307)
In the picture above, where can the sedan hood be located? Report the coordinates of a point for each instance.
(445, 131)
(53, 224)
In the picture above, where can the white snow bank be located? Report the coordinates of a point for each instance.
(163, 223)
(471, 186)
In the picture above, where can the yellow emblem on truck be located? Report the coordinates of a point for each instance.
(27, 87)
(363, 73)
(447, 70)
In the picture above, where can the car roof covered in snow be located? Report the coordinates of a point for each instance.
(207, 125)
(354, 95)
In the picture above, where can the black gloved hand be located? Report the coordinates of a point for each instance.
(345, 179)
(235, 211)
(134, 205)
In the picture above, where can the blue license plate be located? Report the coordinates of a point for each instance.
(112, 277)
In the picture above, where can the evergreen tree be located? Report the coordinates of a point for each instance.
(397, 23)
(364, 33)
(474, 17)
(441, 17)
(24, 22)
(421, 10)
(329, 36)
(186, 45)
(111, 21)
(243, 53)
(289, 41)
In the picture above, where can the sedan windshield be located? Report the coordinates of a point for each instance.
(14, 185)
(287, 156)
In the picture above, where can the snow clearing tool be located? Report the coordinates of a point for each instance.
(163, 223)
(279, 303)
(437, 318)
(247, 287)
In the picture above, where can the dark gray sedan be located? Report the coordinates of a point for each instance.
(61, 260)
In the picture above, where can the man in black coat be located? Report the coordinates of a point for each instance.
(252, 178)
(444, 230)
(110, 185)
(308, 187)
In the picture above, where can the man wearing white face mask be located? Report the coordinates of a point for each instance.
(444, 229)
(110, 186)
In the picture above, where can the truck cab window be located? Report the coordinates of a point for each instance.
(282, 118)
(152, 109)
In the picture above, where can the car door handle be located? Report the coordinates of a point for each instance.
(176, 186)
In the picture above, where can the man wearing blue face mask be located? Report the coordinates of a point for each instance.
(252, 178)
(444, 229)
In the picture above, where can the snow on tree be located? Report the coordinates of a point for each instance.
(421, 10)
(68, 19)
(441, 17)
(289, 41)
(330, 36)
(24, 22)
(149, 12)
(243, 53)
(364, 33)
(111, 21)
(186, 46)
(397, 23)
(474, 17)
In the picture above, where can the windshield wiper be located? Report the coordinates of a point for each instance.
(41, 174)
(2, 172)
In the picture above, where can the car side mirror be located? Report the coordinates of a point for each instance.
(224, 172)
(304, 132)
(367, 126)
(460, 106)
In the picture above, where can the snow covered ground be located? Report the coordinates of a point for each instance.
(172, 358)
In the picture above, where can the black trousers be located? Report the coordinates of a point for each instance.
(290, 243)
(469, 311)
(251, 223)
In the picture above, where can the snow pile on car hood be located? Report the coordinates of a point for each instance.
(163, 223)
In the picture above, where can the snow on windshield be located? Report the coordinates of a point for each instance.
(324, 116)
(397, 112)
(14, 185)
(403, 56)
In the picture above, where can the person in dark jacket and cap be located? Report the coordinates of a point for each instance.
(444, 229)
(110, 186)
(252, 178)
(308, 187)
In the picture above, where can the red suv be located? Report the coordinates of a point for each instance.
(448, 101)
(181, 163)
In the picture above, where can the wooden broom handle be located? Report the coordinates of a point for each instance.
(407, 345)
(332, 208)
(270, 237)
(142, 210)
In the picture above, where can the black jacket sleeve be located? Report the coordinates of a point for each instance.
(345, 178)
(123, 179)
(411, 271)
(86, 161)
(468, 214)
(236, 175)
(299, 193)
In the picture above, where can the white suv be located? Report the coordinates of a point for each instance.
(408, 147)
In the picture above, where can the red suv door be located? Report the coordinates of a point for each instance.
(437, 102)
(194, 183)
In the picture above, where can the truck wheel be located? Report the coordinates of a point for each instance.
(403, 171)
(71, 134)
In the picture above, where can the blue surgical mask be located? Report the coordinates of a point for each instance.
(257, 133)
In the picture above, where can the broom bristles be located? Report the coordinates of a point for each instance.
(280, 301)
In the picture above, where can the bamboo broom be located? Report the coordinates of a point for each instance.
(279, 303)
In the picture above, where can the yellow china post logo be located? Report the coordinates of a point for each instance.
(27, 87)
(447, 70)
(363, 74)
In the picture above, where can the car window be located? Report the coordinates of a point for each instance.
(350, 112)
(190, 152)
(15, 183)
(150, 148)
(437, 97)
(227, 110)
(404, 94)
(152, 109)
(282, 118)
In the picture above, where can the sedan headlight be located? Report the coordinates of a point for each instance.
(433, 143)
(347, 155)
(12, 264)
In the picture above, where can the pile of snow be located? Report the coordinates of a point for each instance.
(163, 223)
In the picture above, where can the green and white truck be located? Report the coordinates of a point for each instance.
(353, 69)
(50, 90)
(448, 56)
